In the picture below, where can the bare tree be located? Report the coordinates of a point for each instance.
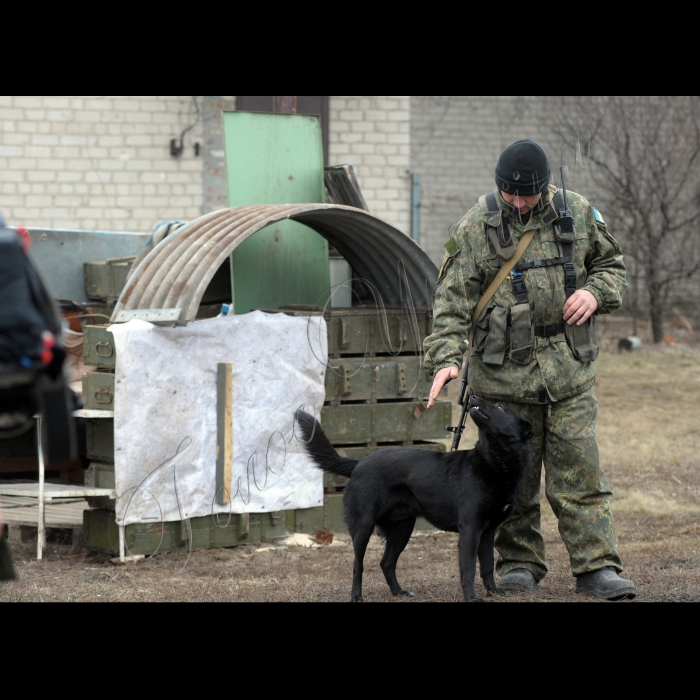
(645, 163)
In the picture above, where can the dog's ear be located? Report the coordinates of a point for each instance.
(526, 431)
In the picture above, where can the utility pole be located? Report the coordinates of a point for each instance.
(285, 105)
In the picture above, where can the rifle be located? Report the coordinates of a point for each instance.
(462, 401)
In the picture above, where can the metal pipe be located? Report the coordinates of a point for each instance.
(415, 206)
(41, 530)
(285, 105)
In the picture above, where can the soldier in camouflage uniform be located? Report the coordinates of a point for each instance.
(534, 349)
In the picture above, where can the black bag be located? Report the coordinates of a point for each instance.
(7, 573)
(31, 356)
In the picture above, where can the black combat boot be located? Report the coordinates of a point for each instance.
(521, 580)
(606, 584)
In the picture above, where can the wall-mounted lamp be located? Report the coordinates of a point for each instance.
(177, 147)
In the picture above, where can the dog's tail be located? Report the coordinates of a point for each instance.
(319, 448)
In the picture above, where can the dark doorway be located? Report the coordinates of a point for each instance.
(306, 105)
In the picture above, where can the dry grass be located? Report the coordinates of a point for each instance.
(649, 433)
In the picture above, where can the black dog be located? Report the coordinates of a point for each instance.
(471, 493)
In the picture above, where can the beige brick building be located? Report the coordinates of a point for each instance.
(374, 135)
(104, 162)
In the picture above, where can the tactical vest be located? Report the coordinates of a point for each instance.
(580, 339)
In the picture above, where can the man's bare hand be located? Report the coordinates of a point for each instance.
(441, 378)
(580, 307)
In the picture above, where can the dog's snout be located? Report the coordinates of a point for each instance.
(474, 401)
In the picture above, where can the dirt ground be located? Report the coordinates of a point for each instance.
(649, 434)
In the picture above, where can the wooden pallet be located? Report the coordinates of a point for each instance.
(60, 514)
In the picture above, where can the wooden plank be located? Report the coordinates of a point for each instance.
(12, 503)
(224, 433)
(54, 491)
(68, 515)
(93, 414)
(164, 317)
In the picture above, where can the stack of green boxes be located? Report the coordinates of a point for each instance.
(375, 390)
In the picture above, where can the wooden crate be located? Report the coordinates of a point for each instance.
(98, 391)
(99, 349)
(100, 475)
(375, 379)
(105, 279)
(367, 332)
(385, 423)
(99, 439)
(102, 535)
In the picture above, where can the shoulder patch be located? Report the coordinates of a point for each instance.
(452, 247)
(600, 221)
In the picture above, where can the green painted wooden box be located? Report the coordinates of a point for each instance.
(98, 347)
(367, 332)
(385, 423)
(375, 379)
(100, 475)
(105, 279)
(101, 534)
(99, 434)
(98, 391)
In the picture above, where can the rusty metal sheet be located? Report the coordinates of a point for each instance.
(177, 272)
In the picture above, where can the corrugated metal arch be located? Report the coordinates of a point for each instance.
(176, 274)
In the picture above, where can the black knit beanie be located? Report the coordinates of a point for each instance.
(523, 169)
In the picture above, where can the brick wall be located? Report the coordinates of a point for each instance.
(104, 162)
(373, 134)
(455, 145)
(98, 162)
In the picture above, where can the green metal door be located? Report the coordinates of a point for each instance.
(276, 159)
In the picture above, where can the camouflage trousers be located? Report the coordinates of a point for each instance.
(576, 488)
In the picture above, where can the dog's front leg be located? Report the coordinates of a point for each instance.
(486, 562)
(468, 547)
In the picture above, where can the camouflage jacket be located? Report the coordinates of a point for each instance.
(508, 361)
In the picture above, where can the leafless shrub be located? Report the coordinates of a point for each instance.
(645, 161)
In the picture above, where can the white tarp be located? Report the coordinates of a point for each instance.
(165, 419)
